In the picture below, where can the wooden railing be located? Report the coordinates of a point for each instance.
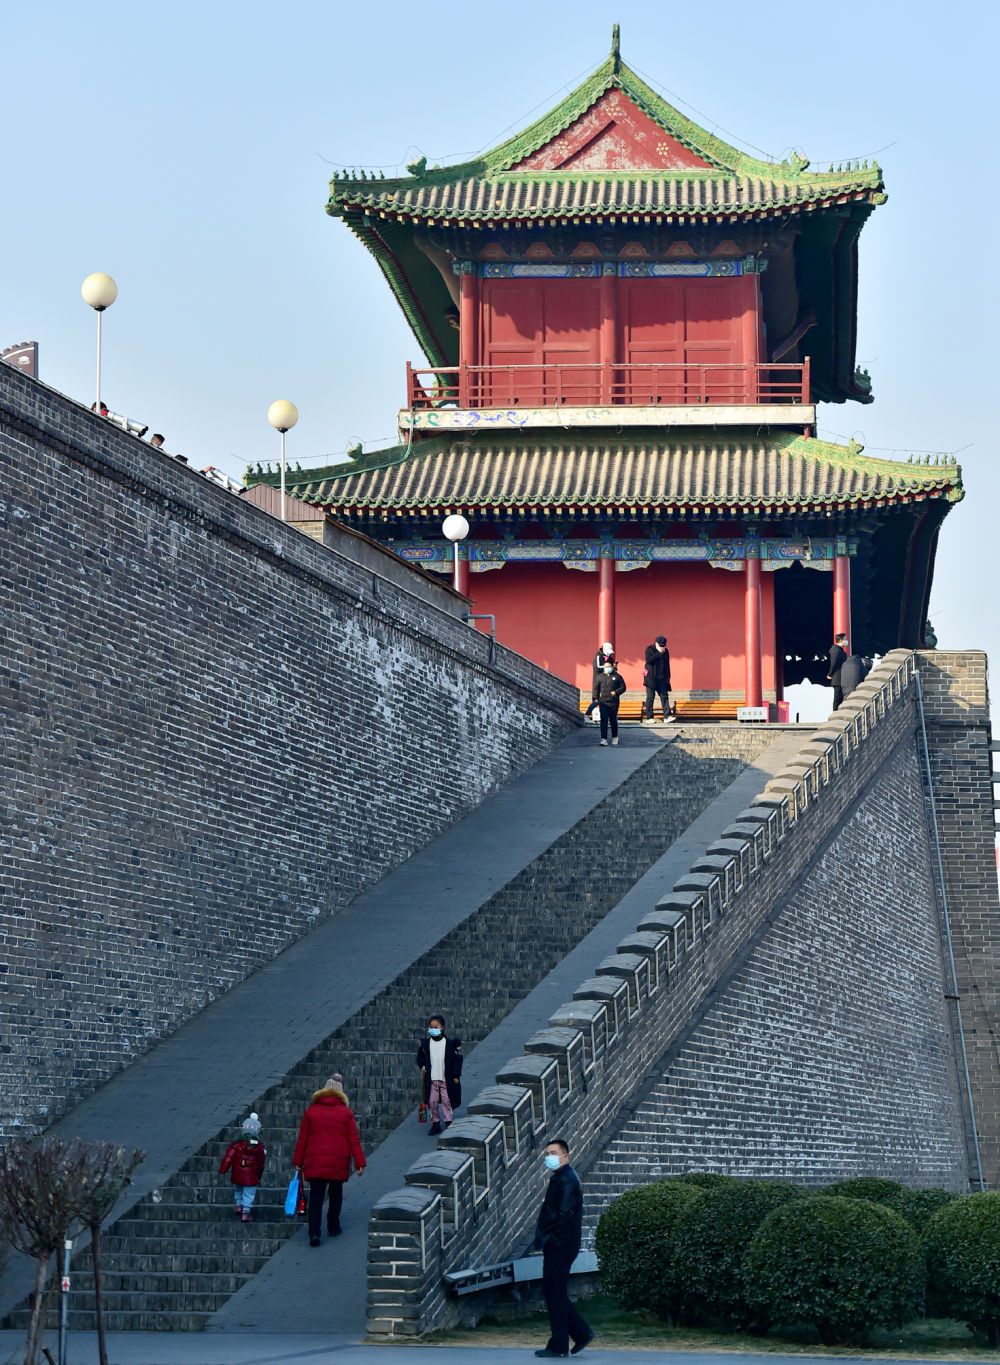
(590, 385)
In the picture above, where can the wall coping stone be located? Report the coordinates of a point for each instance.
(441, 1164)
(549, 1041)
(526, 1068)
(498, 1099)
(412, 1199)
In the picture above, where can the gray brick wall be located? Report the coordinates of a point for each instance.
(474, 1200)
(829, 1054)
(956, 705)
(216, 731)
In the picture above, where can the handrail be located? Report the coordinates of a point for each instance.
(586, 384)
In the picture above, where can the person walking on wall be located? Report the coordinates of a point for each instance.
(656, 679)
(838, 657)
(327, 1144)
(853, 672)
(604, 655)
(557, 1237)
(607, 693)
(440, 1061)
(244, 1160)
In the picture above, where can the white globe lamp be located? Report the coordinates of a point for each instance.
(99, 292)
(455, 528)
(282, 415)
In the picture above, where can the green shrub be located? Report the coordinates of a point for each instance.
(916, 1206)
(841, 1266)
(873, 1187)
(712, 1246)
(706, 1180)
(962, 1243)
(636, 1238)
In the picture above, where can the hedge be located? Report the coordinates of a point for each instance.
(916, 1206)
(712, 1245)
(962, 1244)
(636, 1240)
(840, 1266)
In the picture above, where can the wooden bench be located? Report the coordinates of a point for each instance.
(685, 708)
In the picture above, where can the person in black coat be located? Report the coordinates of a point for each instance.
(656, 678)
(605, 655)
(557, 1236)
(838, 657)
(440, 1061)
(853, 672)
(607, 692)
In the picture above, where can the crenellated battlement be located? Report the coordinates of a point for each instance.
(473, 1201)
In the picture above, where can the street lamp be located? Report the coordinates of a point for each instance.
(282, 415)
(100, 292)
(455, 529)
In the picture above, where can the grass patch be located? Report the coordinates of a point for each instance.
(620, 1330)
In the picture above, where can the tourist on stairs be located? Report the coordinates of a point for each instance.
(440, 1061)
(244, 1160)
(328, 1142)
(607, 693)
(656, 679)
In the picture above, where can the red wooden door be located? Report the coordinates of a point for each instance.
(691, 324)
(541, 327)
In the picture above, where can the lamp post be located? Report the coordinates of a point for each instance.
(282, 415)
(455, 529)
(99, 291)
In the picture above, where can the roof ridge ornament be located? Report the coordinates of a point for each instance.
(616, 48)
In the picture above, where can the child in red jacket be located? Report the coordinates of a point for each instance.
(245, 1160)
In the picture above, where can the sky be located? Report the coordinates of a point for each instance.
(186, 150)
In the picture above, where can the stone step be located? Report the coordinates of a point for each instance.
(176, 1222)
(82, 1320)
(120, 1286)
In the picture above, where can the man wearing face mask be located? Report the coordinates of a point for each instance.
(557, 1236)
(440, 1061)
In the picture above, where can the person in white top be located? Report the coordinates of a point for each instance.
(440, 1061)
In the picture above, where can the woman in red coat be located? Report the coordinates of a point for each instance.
(327, 1143)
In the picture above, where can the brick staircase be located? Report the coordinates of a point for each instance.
(179, 1254)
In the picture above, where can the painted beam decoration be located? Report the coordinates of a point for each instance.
(585, 270)
(722, 553)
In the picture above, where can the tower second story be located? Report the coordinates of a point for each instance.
(616, 264)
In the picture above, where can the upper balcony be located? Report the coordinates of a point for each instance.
(596, 395)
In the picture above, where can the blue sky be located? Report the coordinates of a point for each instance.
(186, 150)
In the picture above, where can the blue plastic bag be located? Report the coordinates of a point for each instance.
(292, 1197)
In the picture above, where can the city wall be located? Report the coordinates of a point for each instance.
(472, 1202)
(215, 732)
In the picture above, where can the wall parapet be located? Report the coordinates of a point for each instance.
(578, 1074)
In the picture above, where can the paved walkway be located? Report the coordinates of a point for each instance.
(323, 1289)
(164, 1348)
(192, 1084)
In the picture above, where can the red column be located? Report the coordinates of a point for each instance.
(842, 596)
(606, 598)
(462, 575)
(752, 633)
(467, 336)
(609, 332)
